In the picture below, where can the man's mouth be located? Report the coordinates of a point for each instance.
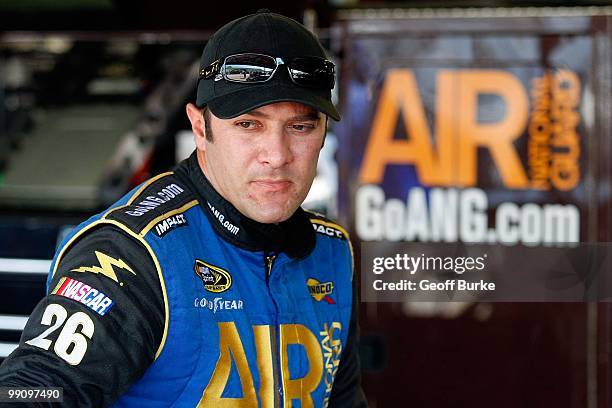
(272, 185)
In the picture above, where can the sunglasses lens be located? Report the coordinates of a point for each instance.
(249, 67)
(312, 71)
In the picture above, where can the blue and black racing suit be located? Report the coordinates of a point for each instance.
(174, 298)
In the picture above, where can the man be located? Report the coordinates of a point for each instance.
(209, 285)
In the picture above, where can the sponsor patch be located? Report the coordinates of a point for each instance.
(328, 230)
(223, 221)
(154, 200)
(331, 345)
(106, 267)
(170, 223)
(83, 293)
(218, 304)
(215, 279)
(320, 290)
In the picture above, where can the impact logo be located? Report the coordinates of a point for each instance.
(320, 291)
(327, 229)
(170, 223)
(215, 279)
(83, 293)
(106, 267)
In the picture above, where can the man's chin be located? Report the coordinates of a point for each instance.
(270, 208)
(270, 215)
(271, 218)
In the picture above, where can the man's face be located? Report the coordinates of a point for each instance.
(263, 162)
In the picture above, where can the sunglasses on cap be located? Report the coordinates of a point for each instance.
(249, 68)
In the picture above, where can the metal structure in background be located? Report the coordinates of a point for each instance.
(96, 105)
(479, 125)
(85, 117)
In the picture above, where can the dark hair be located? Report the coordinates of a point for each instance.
(207, 128)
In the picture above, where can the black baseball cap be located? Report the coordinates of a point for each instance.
(263, 33)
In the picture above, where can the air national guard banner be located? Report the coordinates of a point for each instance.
(477, 131)
(475, 165)
(466, 136)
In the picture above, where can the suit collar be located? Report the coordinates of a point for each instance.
(295, 236)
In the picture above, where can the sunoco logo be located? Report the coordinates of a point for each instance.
(320, 290)
(215, 279)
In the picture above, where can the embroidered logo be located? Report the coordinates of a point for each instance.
(218, 304)
(106, 267)
(331, 345)
(223, 221)
(320, 290)
(215, 279)
(324, 228)
(83, 293)
(170, 223)
(151, 202)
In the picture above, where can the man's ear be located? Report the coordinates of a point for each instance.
(325, 134)
(197, 125)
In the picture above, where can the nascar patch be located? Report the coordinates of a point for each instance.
(83, 293)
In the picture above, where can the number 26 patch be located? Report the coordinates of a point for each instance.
(75, 332)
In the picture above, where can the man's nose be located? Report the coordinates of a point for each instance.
(276, 149)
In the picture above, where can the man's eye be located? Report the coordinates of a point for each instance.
(302, 127)
(246, 124)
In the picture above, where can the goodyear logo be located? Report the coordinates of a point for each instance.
(215, 279)
(320, 290)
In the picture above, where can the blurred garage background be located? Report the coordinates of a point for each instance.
(92, 96)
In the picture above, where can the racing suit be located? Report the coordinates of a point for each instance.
(172, 297)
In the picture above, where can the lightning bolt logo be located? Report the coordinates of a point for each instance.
(106, 266)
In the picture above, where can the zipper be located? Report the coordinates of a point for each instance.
(269, 262)
(269, 259)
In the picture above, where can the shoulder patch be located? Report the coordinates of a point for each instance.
(158, 202)
(326, 227)
(327, 230)
(169, 223)
(106, 267)
(91, 297)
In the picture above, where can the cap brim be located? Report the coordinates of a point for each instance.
(244, 100)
